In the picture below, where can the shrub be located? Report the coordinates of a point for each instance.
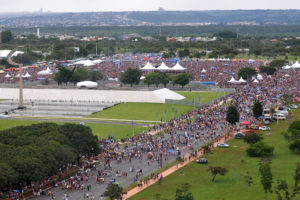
(253, 138)
(260, 149)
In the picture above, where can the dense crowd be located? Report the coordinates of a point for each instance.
(187, 133)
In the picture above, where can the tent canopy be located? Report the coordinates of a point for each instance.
(148, 66)
(178, 67)
(163, 67)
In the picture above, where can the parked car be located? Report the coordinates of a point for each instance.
(87, 84)
(293, 106)
(267, 122)
(279, 116)
(264, 128)
(222, 145)
(239, 135)
(202, 161)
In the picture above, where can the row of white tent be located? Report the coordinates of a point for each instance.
(255, 80)
(163, 67)
(27, 75)
(296, 65)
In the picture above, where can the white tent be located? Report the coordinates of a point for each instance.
(44, 73)
(163, 67)
(142, 77)
(178, 67)
(49, 70)
(7, 76)
(259, 77)
(296, 65)
(286, 67)
(148, 66)
(97, 61)
(232, 80)
(203, 71)
(85, 63)
(255, 81)
(287, 75)
(242, 80)
(27, 75)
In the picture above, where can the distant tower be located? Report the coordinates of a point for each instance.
(38, 32)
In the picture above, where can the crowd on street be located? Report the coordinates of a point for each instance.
(141, 155)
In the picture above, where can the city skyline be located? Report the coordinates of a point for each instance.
(141, 5)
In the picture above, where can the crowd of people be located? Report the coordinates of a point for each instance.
(141, 155)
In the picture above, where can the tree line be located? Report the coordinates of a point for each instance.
(31, 153)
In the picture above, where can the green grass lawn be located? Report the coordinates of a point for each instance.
(101, 130)
(232, 186)
(118, 131)
(154, 111)
(143, 111)
(205, 96)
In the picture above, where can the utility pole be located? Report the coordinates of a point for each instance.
(9, 60)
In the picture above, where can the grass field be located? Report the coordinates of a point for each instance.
(205, 96)
(154, 111)
(101, 130)
(232, 186)
(143, 111)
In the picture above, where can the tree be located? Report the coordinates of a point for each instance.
(268, 70)
(95, 76)
(182, 79)
(266, 178)
(260, 149)
(183, 194)
(247, 72)
(217, 170)
(63, 75)
(292, 135)
(282, 186)
(75, 78)
(297, 175)
(152, 78)
(253, 138)
(277, 63)
(113, 191)
(232, 115)
(248, 180)
(6, 36)
(163, 78)
(257, 109)
(131, 76)
(226, 34)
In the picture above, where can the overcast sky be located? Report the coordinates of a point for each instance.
(130, 5)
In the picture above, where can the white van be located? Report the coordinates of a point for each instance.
(279, 116)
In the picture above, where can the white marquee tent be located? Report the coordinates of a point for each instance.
(259, 77)
(163, 67)
(232, 80)
(178, 67)
(148, 67)
(203, 71)
(296, 65)
(242, 80)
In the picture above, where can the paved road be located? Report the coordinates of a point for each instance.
(98, 189)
